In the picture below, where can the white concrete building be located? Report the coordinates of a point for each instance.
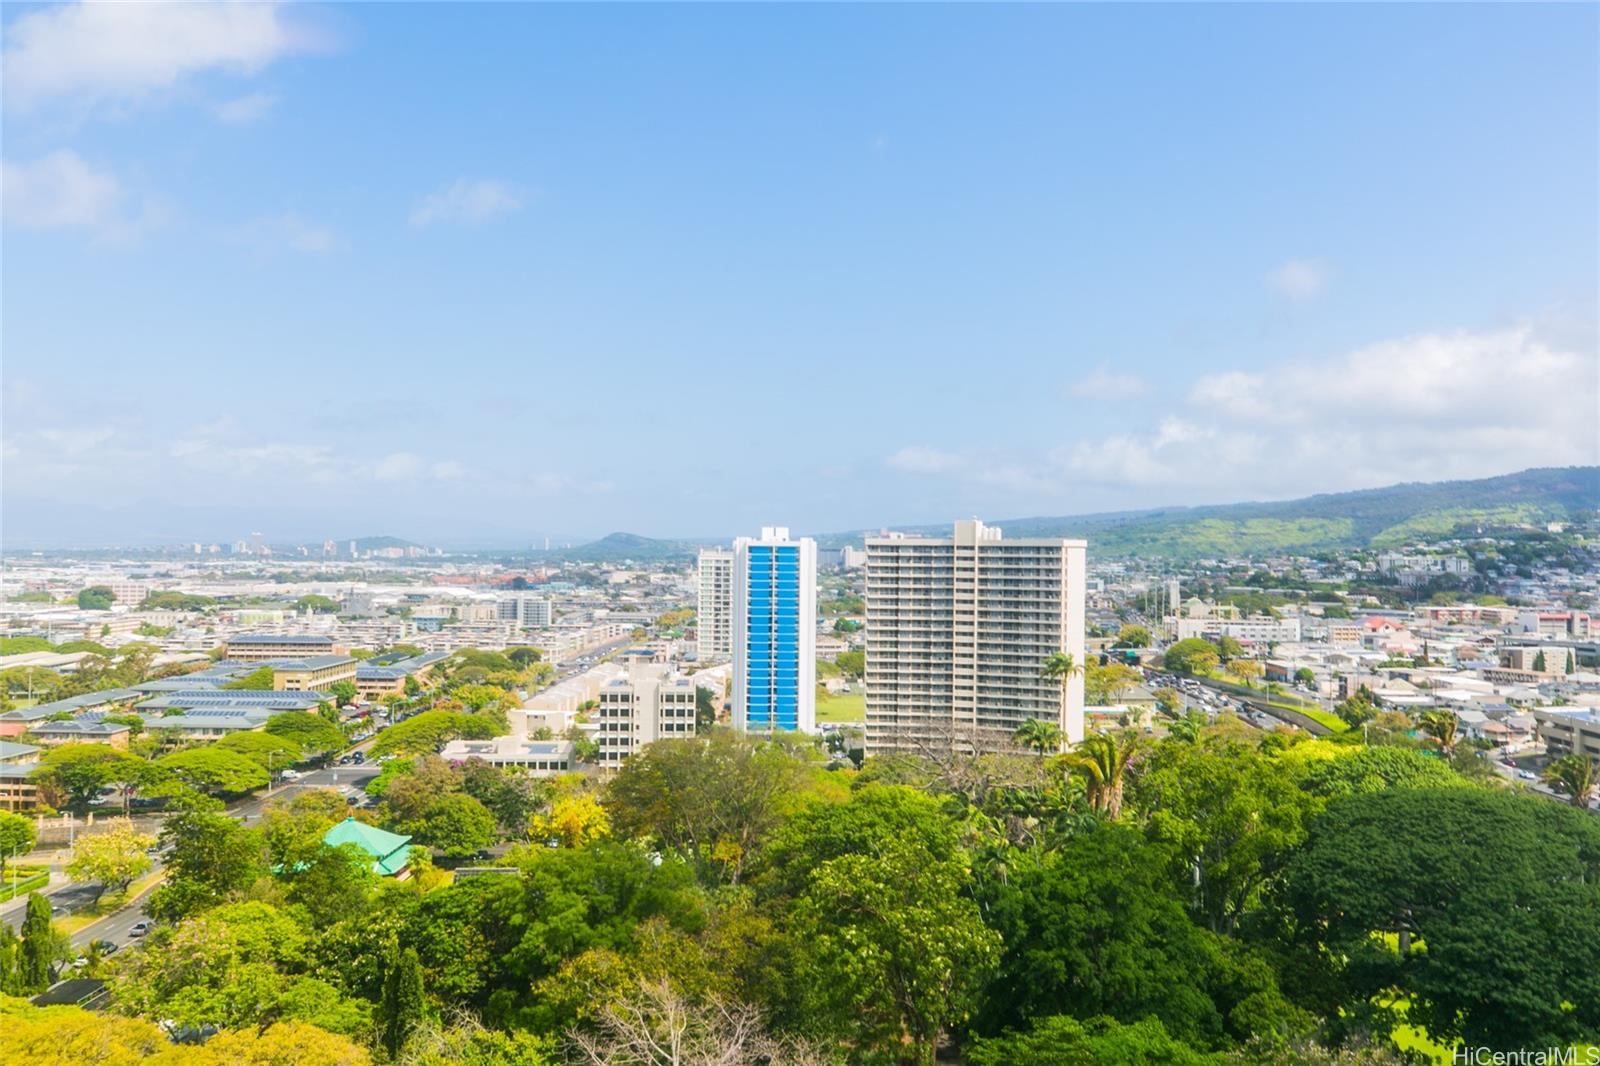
(714, 618)
(650, 702)
(540, 758)
(957, 630)
(1259, 630)
(530, 610)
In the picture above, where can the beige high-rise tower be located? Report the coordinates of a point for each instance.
(957, 631)
(714, 620)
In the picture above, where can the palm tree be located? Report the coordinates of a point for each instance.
(1038, 735)
(1187, 729)
(1441, 726)
(1101, 760)
(1061, 667)
(1576, 775)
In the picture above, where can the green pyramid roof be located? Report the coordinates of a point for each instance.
(388, 850)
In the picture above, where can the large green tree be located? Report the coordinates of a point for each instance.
(270, 751)
(96, 598)
(713, 799)
(210, 857)
(314, 735)
(16, 837)
(403, 1006)
(215, 771)
(1191, 656)
(456, 824)
(1099, 928)
(1482, 907)
(1059, 1040)
(898, 950)
(1231, 818)
(72, 775)
(42, 946)
(112, 857)
(427, 733)
(1133, 636)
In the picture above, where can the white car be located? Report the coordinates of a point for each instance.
(290, 775)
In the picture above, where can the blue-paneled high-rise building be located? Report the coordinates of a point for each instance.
(775, 632)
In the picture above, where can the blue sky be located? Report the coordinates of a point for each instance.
(492, 273)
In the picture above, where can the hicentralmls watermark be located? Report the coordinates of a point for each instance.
(1555, 1056)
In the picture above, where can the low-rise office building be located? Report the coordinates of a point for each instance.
(540, 758)
(376, 682)
(318, 673)
(259, 647)
(1567, 730)
(81, 731)
(212, 724)
(17, 763)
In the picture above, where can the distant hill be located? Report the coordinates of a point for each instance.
(367, 544)
(620, 547)
(1371, 517)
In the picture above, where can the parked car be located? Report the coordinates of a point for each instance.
(141, 928)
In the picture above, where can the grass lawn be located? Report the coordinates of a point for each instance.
(851, 707)
(1332, 721)
(75, 923)
(1409, 1037)
(27, 878)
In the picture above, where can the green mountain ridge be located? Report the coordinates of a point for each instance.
(1365, 518)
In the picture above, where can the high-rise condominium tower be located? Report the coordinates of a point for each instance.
(958, 631)
(714, 620)
(775, 632)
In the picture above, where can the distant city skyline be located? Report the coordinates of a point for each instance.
(488, 274)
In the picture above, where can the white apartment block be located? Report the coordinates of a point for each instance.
(1256, 630)
(958, 629)
(648, 703)
(528, 609)
(714, 617)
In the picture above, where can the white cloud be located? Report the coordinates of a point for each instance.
(915, 459)
(1425, 408)
(289, 231)
(1105, 385)
(248, 108)
(1299, 279)
(78, 440)
(467, 202)
(58, 191)
(401, 466)
(1235, 392)
(97, 53)
(407, 466)
(1429, 407)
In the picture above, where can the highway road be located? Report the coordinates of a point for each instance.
(71, 899)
